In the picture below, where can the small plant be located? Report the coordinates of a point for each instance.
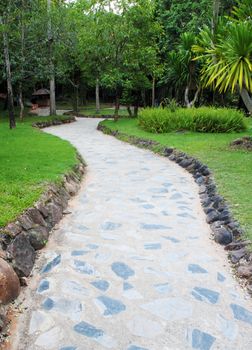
(169, 103)
(204, 119)
(173, 105)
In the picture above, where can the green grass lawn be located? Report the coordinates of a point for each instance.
(29, 160)
(232, 169)
(90, 109)
(106, 109)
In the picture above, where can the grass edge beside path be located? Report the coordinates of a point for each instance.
(31, 160)
(232, 169)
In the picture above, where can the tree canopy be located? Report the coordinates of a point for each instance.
(139, 51)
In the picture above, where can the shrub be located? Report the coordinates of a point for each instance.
(169, 103)
(203, 119)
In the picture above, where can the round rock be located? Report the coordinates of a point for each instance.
(223, 236)
(245, 271)
(9, 283)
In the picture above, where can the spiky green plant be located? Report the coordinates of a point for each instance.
(242, 11)
(227, 58)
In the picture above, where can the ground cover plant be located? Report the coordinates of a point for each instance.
(30, 159)
(232, 168)
(203, 119)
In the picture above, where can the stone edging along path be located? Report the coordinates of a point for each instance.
(81, 115)
(20, 240)
(226, 230)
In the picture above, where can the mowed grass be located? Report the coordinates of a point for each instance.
(106, 109)
(29, 160)
(90, 109)
(232, 169)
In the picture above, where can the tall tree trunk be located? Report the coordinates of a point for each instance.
(97, 97)
(129, 111)
(51, 63)
(246, 99)
(12, 121)
(135, 111)
(117, 106)
(143, 93)
(83, 94)
(190, 104)
(21, 102)
(52, 94)
(77, 99)
(153, 92)
(216, 10)
(20, 88)
(75, 96)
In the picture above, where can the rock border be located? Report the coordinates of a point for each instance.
(47, 123)
(97, 116)
(225, 229)
(20, 240)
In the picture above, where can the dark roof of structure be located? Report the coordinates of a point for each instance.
(41, 92)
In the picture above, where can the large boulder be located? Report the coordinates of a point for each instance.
(13, 229)
(55, 213)
(38, 237)
(36, 217)
(9, 283)
(41, 207)
(236, 255)
(212, 216)
(72, 187)
(223, 236)
(25, 222)
(22, 255)
(245, 271)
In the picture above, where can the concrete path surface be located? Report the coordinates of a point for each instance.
(133, 266)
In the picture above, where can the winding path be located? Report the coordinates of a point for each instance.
(132, 267)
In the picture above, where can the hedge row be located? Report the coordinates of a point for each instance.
(204, 119)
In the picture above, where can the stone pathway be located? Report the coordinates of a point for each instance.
(132, 268)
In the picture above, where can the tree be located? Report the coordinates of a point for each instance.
(4, 22)
(51, 62)
(227, 60)
(182, 71)
(186, 56)
(175, 19)
(133, 52)
(94, 47)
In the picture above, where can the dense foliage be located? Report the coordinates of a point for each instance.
(208, 120)
(132, 52)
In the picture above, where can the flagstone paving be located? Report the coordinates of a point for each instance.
(132, 267)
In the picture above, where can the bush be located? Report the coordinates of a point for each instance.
(203, 119)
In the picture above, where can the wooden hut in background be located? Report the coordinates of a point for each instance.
(41, 98)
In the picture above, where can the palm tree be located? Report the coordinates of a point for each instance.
(227, 59)
(187, 40)
(182, 71)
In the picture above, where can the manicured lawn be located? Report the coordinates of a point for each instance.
(29, 159)
(232, 169)
(106, 109)
(89, 109)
